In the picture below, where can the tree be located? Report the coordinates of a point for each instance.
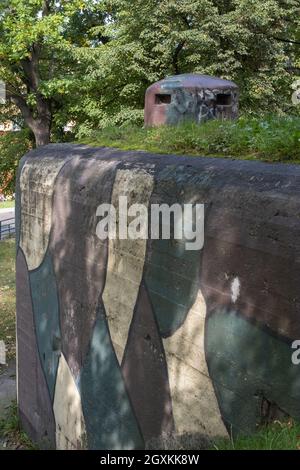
(90, 61)
(37, 63)
(254, 43)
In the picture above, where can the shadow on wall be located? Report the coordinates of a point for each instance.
(153, 344)
(249, 278)
(80, 261)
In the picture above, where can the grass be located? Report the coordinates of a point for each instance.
(11, 433)
(8, 296)
(272, 139)
(275, 436)
(7, 204)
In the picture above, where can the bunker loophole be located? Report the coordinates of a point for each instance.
(162, 99)
(223, 99)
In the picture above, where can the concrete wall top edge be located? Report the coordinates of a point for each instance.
(56, 150)
(259, 175)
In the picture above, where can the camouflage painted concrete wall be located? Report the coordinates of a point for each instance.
(121, 343)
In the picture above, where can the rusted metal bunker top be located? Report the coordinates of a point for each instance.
(190, 96)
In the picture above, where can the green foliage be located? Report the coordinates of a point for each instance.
(276, 436)
(110, 54)
(42, 74)
(8, 296)
(90, 61)
(7, 204)
(13, 145)
(250, 42)
(271, 139)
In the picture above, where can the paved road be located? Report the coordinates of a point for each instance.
(7, 213)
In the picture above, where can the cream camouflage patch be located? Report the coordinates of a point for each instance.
(125, 260)
(70, 425)
(195, 406)
(37, 186)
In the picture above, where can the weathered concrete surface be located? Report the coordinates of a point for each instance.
(70, 426)
(34, 399)
(190, 97)
(125, 263)
(157, 344)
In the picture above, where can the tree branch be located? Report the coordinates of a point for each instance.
(288, 41)
(176, 57)
(20, 102)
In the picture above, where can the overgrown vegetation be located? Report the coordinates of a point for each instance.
(7, 204)
(8, 296)
(11, 433)
(275, 436)
(90, 61)
(272, 139)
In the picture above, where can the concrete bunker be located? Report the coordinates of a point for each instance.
(191, 97)
(126, 343)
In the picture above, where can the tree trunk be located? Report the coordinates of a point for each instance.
(38, 119)
(41, 133)
(40, 126)
(42, 139)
